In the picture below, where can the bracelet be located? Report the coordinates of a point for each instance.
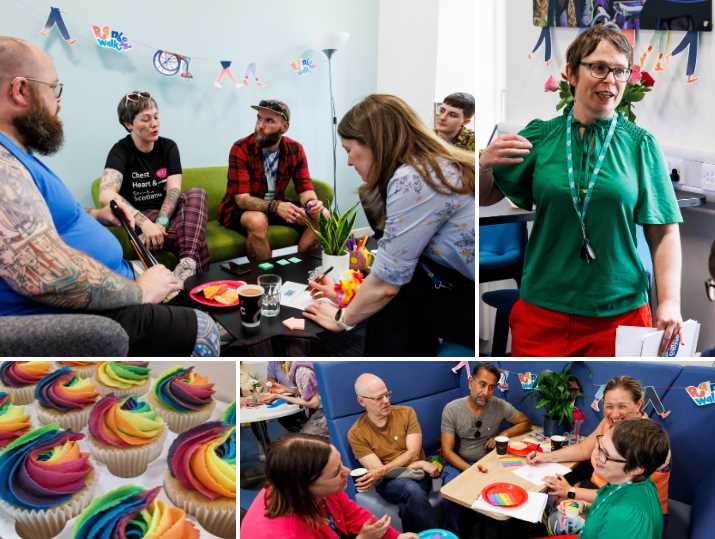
(481, 168)
(273, 206)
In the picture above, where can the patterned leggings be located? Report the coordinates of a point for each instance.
(186, 234)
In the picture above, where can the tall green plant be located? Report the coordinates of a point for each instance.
(333, 232)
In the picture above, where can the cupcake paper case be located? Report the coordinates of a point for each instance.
(202, 476)
(86, 369)
(18, 378)
(125, 434)
(14, 422)
(183, 398)
(44, 481)
(65, 398)
(132, 512)
(123, 378)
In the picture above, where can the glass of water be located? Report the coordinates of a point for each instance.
(272, 297)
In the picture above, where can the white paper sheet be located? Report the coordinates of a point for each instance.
(536, 472)
(153, 477)
(645, 342)
(295, 295)
(531, 511)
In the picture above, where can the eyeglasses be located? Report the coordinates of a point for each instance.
(710, 289)
(602, 455)
(387, 395)
(477, 426)
(601, 71)
(136, 95)
(56, 86)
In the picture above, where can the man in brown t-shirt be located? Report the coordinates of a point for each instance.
(387, 440)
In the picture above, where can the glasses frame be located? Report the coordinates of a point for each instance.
(590, 66)
(136, 95)
(387, 395)
(57, 87)
(602, 455)
(710, 289)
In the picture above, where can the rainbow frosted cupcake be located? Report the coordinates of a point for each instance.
(14, 422)
(134, 513)
(18, 379)
(123, 378)
(45, 480)
(125, 434)
(183, 398)
(229, 416)
(202, 476)
(85, 369)
(65, 398)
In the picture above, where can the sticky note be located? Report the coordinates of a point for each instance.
(282, 262)
(295, 259)
(265, 266)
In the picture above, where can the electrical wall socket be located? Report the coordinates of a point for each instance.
(708, 176)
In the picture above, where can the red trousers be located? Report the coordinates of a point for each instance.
(536, 331)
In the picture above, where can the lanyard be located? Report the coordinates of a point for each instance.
(603, 500)
(581, 209)
(331, 521)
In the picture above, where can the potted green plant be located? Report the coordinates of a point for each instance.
(556, 393)
(333, 233)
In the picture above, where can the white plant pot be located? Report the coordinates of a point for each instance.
(339, 263)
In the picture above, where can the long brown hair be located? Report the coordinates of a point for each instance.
(396, 136)
(293, 463)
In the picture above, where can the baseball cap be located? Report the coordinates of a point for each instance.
(274, 106)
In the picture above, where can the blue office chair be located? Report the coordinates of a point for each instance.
(501, 252)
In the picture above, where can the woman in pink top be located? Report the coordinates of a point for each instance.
(305, 497)
(622, 400)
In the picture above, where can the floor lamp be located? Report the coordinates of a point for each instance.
(330, 43)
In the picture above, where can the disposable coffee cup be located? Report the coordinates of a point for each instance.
(557, 442)
(356, 474)
(502, 443)
(251, 297)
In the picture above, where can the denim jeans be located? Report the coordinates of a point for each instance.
(412, 499)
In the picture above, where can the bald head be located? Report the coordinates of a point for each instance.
(367, 382)
(18, 57)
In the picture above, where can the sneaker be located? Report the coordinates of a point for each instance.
(184, 269)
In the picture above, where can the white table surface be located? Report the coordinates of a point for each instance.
(263, 413)
(153, 477)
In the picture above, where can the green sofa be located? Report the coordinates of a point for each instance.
(224, 244)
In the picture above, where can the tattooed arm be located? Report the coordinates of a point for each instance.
(173, 191)
(35, 262)
(109, 187)
(251, 203)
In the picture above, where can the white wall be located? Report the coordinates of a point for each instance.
(491, 67)
(456, 48)
(407, 52)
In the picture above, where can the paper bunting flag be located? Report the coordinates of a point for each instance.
(503, 377)
(651, 397)
(304, 64)
(690, 42)
(703, 394)
(169, 64)
(55, 19)
(110, 39)
(597, 397)
(527, 380)
(251, 71)
(225, 72)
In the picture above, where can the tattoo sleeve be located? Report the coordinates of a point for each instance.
(169, 204)
(35, 262)
(252, 203)
(109, 187)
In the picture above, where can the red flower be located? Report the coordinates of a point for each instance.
(647, 80)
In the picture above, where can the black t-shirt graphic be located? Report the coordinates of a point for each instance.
(144, 174)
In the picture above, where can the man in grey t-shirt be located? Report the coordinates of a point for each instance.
(469, 426)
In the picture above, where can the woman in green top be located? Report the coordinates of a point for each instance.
(628, 506)
(592, 176)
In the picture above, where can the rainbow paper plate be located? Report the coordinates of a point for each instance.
(504, 495)
(436, 534)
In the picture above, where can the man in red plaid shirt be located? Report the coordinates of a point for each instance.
(259, 169)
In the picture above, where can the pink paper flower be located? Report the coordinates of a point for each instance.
(551, 85)
(635, 74)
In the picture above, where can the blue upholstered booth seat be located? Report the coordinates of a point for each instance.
(426, 386)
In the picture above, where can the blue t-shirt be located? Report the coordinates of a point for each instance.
(74, 225)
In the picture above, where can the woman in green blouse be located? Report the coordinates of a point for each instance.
(628, 506)
(593, 176)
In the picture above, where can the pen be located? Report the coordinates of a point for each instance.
(320, 277)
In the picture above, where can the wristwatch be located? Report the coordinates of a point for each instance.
(340, 320)
(162, 220)
(571, 494)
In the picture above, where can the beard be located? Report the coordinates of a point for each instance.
(268, 140)
(39, 130)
